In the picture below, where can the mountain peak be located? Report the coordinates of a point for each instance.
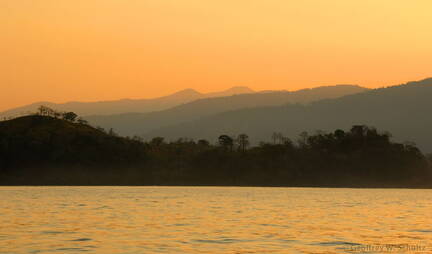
(186, 93)
(240, 89)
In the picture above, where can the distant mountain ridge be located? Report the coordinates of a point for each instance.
(127, 105)
(138, 123)
(404, 110)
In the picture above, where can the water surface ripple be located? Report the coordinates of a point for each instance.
(214, 220)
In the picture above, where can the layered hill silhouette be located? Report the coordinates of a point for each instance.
(404, 110)
(127, 105)
(139, 123)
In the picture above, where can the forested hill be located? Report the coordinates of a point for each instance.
(47, 150)
(44, 140)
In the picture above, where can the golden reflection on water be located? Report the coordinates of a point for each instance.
(213, 220)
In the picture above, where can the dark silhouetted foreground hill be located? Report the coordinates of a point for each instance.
(126, 105)
(31, 146)
(42, 150)
(135, 123)
(404, 110)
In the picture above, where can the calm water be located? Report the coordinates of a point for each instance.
(213, 220)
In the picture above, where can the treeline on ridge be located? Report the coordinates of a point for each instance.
(51, 148)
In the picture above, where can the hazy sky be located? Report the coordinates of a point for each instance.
(62, 50)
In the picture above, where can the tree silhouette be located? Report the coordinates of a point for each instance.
(302, 140)
(278, 138)
(70, 116)
(359, 131)
(203, 143)
(339, 134)
(46, 111)
(226, 142)
(157, 141)
(243, 141)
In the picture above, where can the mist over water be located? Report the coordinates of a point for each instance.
(213, 220)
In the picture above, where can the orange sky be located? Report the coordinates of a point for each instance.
(63, 50)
